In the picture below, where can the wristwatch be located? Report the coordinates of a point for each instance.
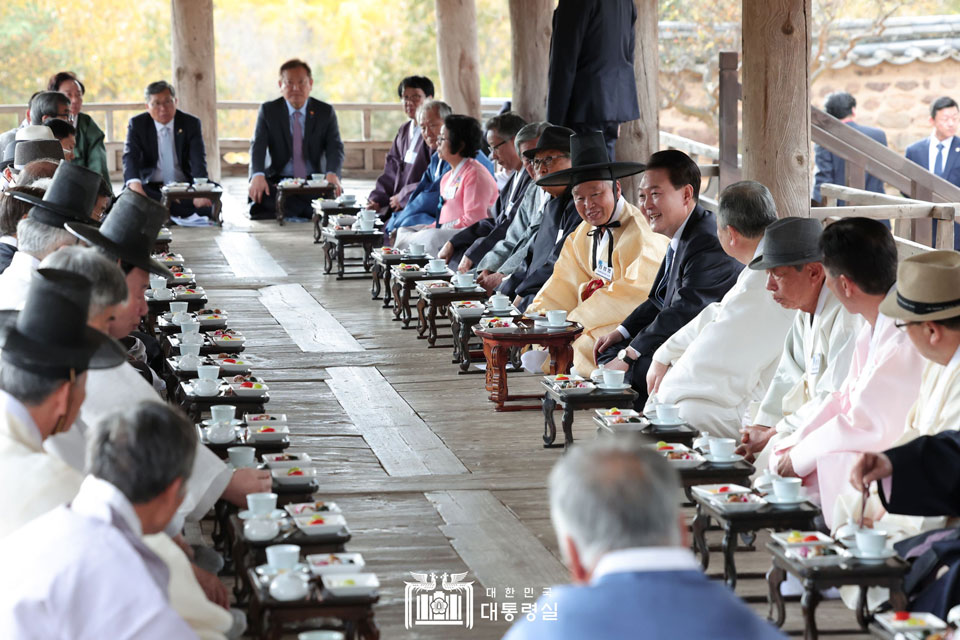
(624, 355)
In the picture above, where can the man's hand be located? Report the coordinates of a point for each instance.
(605, 342)
(215, 590)
(258, 188)
(465, 264)
(491, 281)
(446, 252)
(136, 186)
(616, 365)
(785, 467)
(868, 468)
(333, 179)
(396, 203)
(654, 375)
(246, 481)
(200, 203)
(753, 439)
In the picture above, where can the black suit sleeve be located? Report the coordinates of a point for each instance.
(705, 275)
(198, 153)
(471, 234)
(133, 148)
(258, 146)
(823, 160)
(569, 26)
(926, 477)
(333, 145)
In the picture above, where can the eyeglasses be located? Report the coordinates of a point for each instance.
(902, 326)
(441, 139)
(539, 163)
(302, 84)
(161, 103)
(498, 145)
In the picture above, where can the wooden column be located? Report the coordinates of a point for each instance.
(530, 27)
(194, 73)
(640, 138)
(776, 100)
(458, 55)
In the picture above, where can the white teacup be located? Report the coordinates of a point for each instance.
(556, 317)
(464, 280)
(206, 387)
(221, 434)
(222, 412)
(190, 350)
(241, 456)
(157, 282)
(722, 448)
(163, 294)
(261, 504)
(191, 339)
(871, 542)
(208, 372)
(348, 198)
(668, 413)
(178, 307)
(283, 556)
(317, 176)
(612, 378)
(190, 326)
(189, 362)
(261, 529)
(320, 635)
(200, 181)
(415, 249)
(365, 225)
(787, 488)
(437, 264)
(499, 302)
(368, 214)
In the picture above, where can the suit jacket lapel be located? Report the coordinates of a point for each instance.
(692, 221)
(179, 141)
(285, 127)
(952, 153)
(153, 148)
(310, 122)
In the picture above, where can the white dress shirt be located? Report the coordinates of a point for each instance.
(15, 280)
(166, 145)
(932, 151)
(645, 559)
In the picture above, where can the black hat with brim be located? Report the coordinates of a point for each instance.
(50, 335)
(129, 233)
(553, 138)
(71, 197)
(589, 161)
(790, 242)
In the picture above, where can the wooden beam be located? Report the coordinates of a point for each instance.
(530, 29)
(194, 71)
(887, 211)
(641, 137)
(458, 55)
(861, 196)
(247, 257)
(776, 100)
(729, 116)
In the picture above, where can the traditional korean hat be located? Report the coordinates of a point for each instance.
(928, 288)
(790, 241)
(26, 151)
(589, 160)
(34, 132)
(71, 196)
(50, 335)
(129, 232)
(553, 138)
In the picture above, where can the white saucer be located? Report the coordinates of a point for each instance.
(777, 502)
(712, 459)
(435, 273)
(276, 514)
(235, 422)
(546, 325)
(414, 255)
(266, 571)
(606, 387)
(887, 553)
(655, 421)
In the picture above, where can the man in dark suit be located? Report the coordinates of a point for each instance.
(295, 136)
(940, 153)
(695, 272)
(164, 145)
(591, 83)
(831, 169)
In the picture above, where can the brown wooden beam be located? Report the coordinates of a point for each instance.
(458, 55)
(530, 29)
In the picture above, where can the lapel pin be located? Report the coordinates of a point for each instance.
(181, 131)
(311, 113)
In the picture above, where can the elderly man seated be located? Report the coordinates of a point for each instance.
(723, 360)
(607, 264)
(870, 409)
(819, 346)
(694, 273)
(12, 211)
(83, 571)
(614, 508)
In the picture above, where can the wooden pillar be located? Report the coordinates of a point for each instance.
(530, 27)
(641, 137)
(194, 73)
(776, 100)
(458, 55)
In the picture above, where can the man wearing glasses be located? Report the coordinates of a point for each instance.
(302, 138)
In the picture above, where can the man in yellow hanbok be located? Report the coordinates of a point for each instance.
(607, 266)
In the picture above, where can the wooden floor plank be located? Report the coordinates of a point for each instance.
(247, 258)
(311, 326)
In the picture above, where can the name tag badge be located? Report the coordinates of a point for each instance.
(604, 271)
(411, 156)
(816, 364)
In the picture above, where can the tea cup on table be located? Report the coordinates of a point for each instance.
(465, 280)
(200, 180)
(283, 557)
(365, 225)
(261, 504)
(612, 377)
(556, 317)
(206, 387)
(317, 176)
(241, 456)
(158, 282)
(222, 413)
(437, 264)
(163, 294)
(368, 214)
(871, 542)
(722, 448)
(190, 326)
(208, 371)
(499, 302)
(321, 635)
(179, 307)
(668, 413)
(348, 198)
(415, 249)
(787, 488)
(191, 339)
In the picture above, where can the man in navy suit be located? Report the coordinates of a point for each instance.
(295, 136)
(940, 153)
(164, 145)
(614, 509)
(831, 169)
(592, 85)
(695, 272)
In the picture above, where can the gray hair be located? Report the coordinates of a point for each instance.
(46, 103)
(614, 493)
(439, 107)
(528, 132)
(109, 284)
(157, 87)
(40, 240)
(28, 387)
(748, 207)
(142, 449)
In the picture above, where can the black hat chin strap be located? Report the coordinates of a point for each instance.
(597, 232)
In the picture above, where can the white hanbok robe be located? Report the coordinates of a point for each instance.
(723, 360)
(15, 280)
(82, 573)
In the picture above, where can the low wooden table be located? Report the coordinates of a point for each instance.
(434, 302)
(380, 272)
(887, 574)
(801, 517)
(461, 325)
(170, 194)
(404, 283)
(301, 189)
(194, 406)
(709, 473)
(684, 434)
(496, 350)
(321, 216)
(596, 399)
(170, 345)
(335, 241)
(274, 446)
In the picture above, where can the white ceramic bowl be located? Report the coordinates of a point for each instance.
(356, 584)
(323, 523)
(260, 529)
(257, 390)
(283, 477)
(290, 585)
(278, 461)
(280, 431)
(333, 563)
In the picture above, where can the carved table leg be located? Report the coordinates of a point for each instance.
(729, 560)
(464, 348)
(367, 250)
(367, 628)
(281, 197)
(387, 288)
(375, 272)
(432, 323)
(898, 599)
(421, 316)
(561, 357)
(340, 266)
(497, 374)
(863, 612)
(406, 313)
(455, 329)
(549, 425)
(808, 603)
(397, 311)
(774, 579)
(316, 228)
(699, 530)
(567, 422)
(327, 259)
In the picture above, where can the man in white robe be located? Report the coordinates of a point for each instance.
(724, 359)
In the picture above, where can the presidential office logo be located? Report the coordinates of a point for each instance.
(450, 603)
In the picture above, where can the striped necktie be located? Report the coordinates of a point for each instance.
(662, 287)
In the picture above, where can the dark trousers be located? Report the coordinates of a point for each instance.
(636, 374)
(178, 208)
(610, 132)
(266, 209)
